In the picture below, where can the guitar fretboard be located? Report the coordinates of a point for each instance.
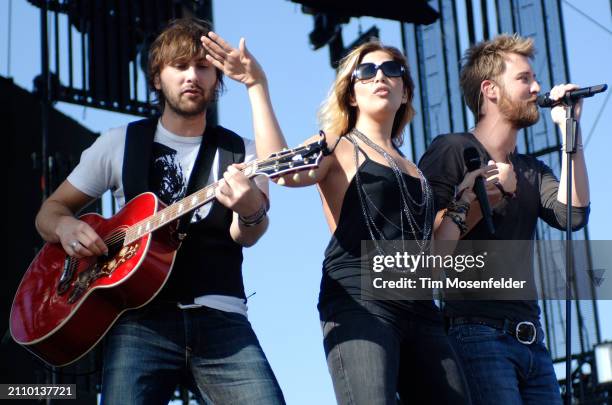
(277, 164)
(179, 208)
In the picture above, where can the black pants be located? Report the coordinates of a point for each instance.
(375, 355)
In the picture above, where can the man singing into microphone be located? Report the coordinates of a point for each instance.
(500, 343)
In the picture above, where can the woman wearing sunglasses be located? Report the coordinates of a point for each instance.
(376, 350)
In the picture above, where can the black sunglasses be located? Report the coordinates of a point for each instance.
(390, 68)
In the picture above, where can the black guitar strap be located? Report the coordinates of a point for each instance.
(200, 173)
(137, 157)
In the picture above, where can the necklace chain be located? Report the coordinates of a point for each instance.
(409, 205)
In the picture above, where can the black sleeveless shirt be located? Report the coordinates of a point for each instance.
(343, 258)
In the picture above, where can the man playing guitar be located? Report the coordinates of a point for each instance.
(197, 322)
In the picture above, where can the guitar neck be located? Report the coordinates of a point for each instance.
(277, 164)
(180, 208)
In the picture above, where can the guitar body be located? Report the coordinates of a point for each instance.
(64, 306)
(62, 309)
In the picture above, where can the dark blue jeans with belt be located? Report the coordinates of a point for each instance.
(502, 370)
(150, 350)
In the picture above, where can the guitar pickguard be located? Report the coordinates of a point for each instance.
(103, 267)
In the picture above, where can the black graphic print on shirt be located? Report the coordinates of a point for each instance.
(166, 176)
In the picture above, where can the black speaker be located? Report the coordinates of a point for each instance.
(20, 113)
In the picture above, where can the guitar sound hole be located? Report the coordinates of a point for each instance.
(114, 242)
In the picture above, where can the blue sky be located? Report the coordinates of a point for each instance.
(284, 268)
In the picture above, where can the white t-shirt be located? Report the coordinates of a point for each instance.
(101, 169)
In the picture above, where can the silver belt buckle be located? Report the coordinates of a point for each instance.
(533, 328)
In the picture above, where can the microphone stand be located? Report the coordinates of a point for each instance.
(570, 150)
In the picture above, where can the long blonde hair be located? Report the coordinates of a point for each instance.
(337, 116)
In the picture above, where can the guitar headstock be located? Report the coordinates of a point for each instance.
(292, 160)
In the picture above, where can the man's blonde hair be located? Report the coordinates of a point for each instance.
(486, 61)
(337, 116)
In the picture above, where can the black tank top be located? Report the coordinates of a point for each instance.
(342, 263)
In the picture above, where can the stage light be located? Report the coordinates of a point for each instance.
(414, 11)
(326, 27)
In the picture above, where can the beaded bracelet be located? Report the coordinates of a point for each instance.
(456, 218)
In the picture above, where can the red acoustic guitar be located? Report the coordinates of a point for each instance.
(64, 306)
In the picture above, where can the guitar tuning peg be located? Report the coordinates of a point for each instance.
(311, 174)
(296, 177)
(281, 181)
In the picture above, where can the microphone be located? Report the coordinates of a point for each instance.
(472, 162)
(544, 100)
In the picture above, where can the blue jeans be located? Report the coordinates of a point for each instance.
(501, 370)
(150, 350)
(376, 356)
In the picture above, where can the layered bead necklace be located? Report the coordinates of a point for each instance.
(409, 205)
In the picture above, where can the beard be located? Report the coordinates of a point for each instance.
(521, 113)
(187, 107)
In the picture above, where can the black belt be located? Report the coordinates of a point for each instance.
(525, 332)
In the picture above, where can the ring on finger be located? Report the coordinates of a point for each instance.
(74, 244)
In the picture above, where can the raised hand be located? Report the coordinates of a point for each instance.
(237, 64)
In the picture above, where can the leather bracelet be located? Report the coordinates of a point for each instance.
(501, 189)
(460, 207)
(254, 219)
(456, 218)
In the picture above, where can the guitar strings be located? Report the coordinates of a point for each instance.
(214, 185)
(172, 208)
(116, 236)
